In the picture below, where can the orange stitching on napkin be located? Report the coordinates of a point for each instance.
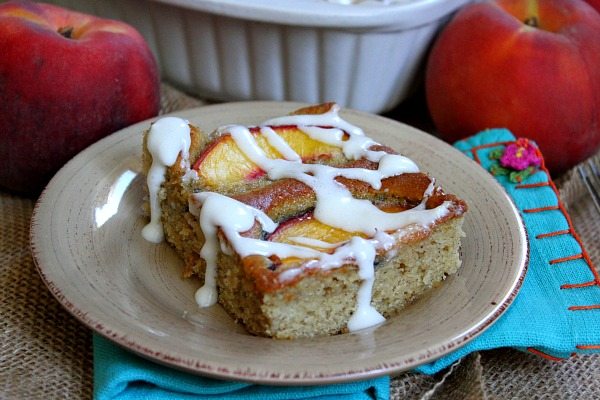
(560, 206)
(555, 233)
(584, 253)
(544, 355)
(539, 209)
(532, 185)
(585, 308)
(564, 259)
(578, 285)
(588, 346)
(475, 149)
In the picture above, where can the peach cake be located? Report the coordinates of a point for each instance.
(300, 226)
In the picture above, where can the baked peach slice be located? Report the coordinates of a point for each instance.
(307, 231)
(223, 164)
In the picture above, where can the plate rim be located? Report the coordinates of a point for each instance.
(199, 368)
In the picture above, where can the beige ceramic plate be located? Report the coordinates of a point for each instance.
(88, 248)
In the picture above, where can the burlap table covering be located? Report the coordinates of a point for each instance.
(46, 354)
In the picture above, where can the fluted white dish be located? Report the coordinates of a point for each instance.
(368, 55)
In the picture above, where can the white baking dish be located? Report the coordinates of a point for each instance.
(365, 56)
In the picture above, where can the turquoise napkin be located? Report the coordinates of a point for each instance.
(122, 375)
(557, 311)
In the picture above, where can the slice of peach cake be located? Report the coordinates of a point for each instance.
(302, 225)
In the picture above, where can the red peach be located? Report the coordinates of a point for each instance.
(66, 80)
(527, 65)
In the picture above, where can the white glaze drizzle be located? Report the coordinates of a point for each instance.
(278, 143)
(365, 314)
(233, 218)
(335, 206)
(167, 138)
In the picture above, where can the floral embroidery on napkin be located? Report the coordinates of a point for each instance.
(517, 160)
